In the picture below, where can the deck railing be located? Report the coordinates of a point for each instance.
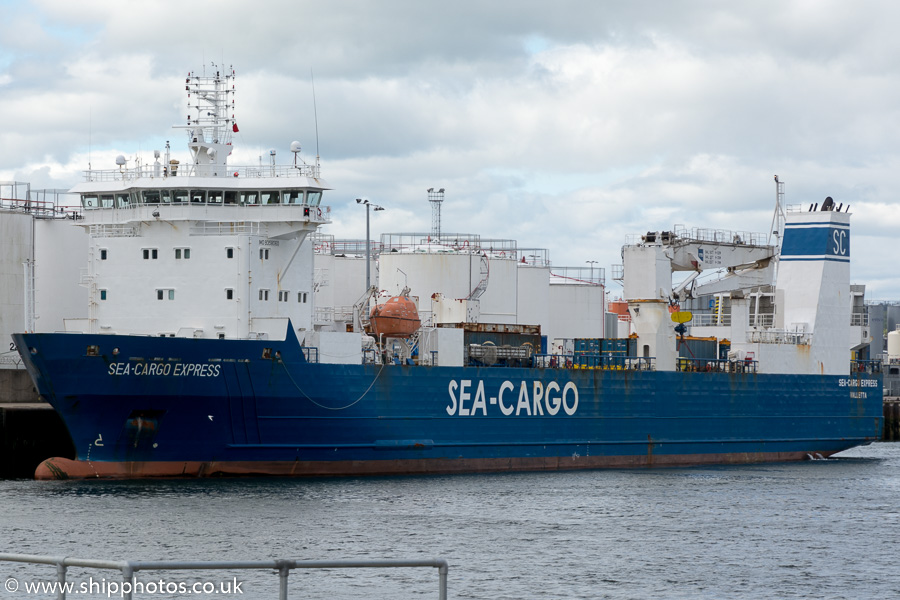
(872, 367)
(708, 365)
(129, 569)
(186, 171)
(594, 361)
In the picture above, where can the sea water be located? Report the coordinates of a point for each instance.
(814, 529)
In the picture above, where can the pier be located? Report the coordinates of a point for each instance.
(30, 430)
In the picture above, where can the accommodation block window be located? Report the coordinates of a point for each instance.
(150, 253)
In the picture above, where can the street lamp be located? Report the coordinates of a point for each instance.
(592, 263)
(376, 207)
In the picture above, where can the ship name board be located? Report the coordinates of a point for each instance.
(268, 242)
(165, 369)
(845, 382)
(534, 398)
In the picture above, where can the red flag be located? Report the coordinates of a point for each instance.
(234, 127)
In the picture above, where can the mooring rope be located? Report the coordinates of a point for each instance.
(296, 385)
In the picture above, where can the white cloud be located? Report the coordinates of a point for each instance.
(567, 128)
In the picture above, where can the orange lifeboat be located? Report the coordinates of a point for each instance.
(398, 317)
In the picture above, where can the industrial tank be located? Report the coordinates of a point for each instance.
(893, 345)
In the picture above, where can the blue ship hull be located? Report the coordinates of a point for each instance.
(142, 406)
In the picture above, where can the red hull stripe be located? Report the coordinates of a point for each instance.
(64, 468)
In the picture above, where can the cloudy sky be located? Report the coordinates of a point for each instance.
(564, 125)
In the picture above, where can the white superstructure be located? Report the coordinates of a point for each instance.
(200, 248)
(461, 278)
(785, 307)
(41, 254)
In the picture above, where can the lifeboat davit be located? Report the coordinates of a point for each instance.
(398, 317)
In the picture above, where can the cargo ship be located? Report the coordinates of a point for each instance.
(202, 353)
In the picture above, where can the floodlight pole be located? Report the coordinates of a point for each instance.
(368, 242)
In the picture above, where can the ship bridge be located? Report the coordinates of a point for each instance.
(289, 198)
(199, 248)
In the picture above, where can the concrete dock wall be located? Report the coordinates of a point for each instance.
(16, 386)
(30, 430)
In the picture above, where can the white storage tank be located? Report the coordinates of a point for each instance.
(893, 345)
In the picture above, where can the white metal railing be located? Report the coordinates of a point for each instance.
(779, 336)
(226, 228)
(763, 320)
(129, 568)
(334, 314)
(85, 277)
(114, 230)
(720, 236)
(578, 275)
(184, 172)
(711, 320)
(47, 203)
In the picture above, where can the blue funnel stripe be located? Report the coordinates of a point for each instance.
(816, 243)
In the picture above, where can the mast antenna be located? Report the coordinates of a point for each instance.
(777, 226)
(315, 115)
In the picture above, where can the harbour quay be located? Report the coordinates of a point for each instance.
(30, 430)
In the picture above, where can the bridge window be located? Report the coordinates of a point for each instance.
(292, 197)
(90, 201)
(270, 197)
(179, 196)
(230, 197)
(249, 197)
(122, 200)
(215, 197)
(106, 201)
(198, 196)
(313, 198)
(151, 196)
